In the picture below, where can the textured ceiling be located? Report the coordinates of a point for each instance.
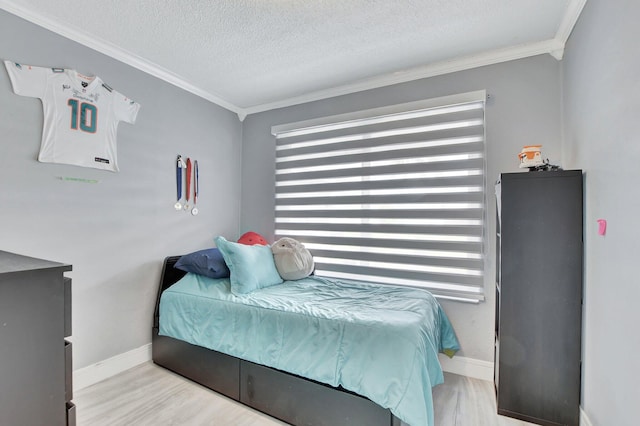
(253, 55)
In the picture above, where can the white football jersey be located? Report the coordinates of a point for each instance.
(81, 114)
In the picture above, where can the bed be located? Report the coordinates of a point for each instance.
(309, 352)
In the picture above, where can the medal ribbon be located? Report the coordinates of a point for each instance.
(195, 182)
(179, 177)
(188, 177)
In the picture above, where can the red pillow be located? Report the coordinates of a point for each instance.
(252, 238)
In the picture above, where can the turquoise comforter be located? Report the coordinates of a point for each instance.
(381, 342)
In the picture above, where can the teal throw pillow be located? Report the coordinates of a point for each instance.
(252, 267)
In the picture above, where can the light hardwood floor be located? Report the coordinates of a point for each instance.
(148, 395)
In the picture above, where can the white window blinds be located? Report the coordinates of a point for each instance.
(392, 195)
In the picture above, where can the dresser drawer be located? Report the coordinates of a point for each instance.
(68, 370)
(67, 307)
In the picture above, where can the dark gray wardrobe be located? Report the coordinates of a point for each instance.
(539, 296)
(35, 359)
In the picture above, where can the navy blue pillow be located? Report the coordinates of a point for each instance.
(207, 262)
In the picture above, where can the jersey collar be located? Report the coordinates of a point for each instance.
(77, 79)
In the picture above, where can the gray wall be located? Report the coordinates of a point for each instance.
(602, 123)
(524, 108)
(115, 232)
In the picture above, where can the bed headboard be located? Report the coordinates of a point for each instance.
(168, 277)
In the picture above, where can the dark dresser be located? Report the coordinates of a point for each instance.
(538, 329)
(35, 358)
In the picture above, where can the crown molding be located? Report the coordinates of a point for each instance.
(574, 9)
(554, 47)
(566, 26)
(115, 52)
(426, 71)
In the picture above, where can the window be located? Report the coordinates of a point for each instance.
(393, 195)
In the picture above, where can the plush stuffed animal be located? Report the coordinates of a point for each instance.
(293, 260)
(252, 238)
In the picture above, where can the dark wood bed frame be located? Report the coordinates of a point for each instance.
(293, 399)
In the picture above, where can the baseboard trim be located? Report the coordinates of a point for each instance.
(87, 376)
(584, 419)
(469, 367)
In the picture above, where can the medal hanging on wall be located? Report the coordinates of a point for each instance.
(186, 204)
(186, 168)
(179, 166)
(194, 211)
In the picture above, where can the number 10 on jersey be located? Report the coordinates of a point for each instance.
(88, 116)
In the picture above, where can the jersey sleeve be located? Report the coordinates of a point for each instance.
(27, 80)
(126, 109)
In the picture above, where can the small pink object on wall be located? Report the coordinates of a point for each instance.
(602, 226)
